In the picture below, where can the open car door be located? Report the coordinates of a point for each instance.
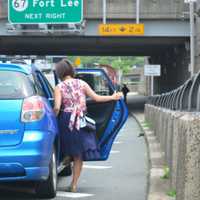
(109, 116)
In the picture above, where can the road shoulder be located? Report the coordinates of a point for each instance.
(158, 187)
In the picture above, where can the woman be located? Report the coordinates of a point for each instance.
(125, 91)
(70, 106)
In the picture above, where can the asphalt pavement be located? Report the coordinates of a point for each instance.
(122, 177)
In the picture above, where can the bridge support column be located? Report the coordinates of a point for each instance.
(174, 68)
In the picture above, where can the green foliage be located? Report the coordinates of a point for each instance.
(125, 63)
(166, 173)
(172, 193)
(146, 124)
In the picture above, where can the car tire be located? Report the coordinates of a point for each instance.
(67, 171)
(47, 189)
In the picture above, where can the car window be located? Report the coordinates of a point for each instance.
(38, 85)
(48, 90)
(49, 85)
(15, 85)
(50, 77)
(96, 81)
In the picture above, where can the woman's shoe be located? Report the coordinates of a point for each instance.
(73, 189)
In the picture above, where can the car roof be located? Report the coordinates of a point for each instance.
(24, 68)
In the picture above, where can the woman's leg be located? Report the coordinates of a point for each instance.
(77, 167)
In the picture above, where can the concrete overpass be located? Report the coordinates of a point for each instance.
(165, 40)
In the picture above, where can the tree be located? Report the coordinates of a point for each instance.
(124, 63)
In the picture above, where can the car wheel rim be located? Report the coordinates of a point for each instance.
(54, 170)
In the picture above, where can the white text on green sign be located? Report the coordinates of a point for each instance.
(45, 11)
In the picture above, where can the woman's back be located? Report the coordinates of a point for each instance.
(73, 95)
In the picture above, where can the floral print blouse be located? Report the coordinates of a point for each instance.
(73, 100)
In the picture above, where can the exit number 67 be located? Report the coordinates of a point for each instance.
(20, 5)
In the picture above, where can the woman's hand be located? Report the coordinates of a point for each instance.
(117, 95)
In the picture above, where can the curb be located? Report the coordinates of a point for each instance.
(157, 187)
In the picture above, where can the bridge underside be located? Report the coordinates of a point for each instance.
(165, 40)
(88, 45)
(172, 53)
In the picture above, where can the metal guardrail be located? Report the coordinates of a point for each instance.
(184, 98)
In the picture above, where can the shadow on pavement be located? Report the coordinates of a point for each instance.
(17, 191)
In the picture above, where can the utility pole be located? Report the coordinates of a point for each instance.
(104, 11)
(192, 45)
(152, 85)
(137, 11)
(192, 35)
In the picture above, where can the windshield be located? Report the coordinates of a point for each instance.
(15, 85)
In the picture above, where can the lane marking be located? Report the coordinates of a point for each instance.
(114, 152)
(96, 167)
(117, 142)
(73, 195)
(120, 135)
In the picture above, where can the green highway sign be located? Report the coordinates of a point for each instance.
(45, 11)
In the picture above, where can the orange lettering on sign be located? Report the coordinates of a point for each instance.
(121, 29)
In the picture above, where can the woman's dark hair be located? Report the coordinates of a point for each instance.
(64, 68)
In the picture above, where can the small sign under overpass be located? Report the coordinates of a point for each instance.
(45, 11)
(152, 70)
(121, 29)
(188, 1)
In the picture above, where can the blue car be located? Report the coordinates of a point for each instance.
(29, 135)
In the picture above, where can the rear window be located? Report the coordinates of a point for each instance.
(15, 85)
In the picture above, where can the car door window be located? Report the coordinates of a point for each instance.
(45, 86)
(97, 82)
(47, 83)
(38, 85)
(51, 77)
(101, 85)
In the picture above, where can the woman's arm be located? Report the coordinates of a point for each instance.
(101, 98)
(57, 100)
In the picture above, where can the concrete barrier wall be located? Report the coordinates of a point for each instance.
(179, 137)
